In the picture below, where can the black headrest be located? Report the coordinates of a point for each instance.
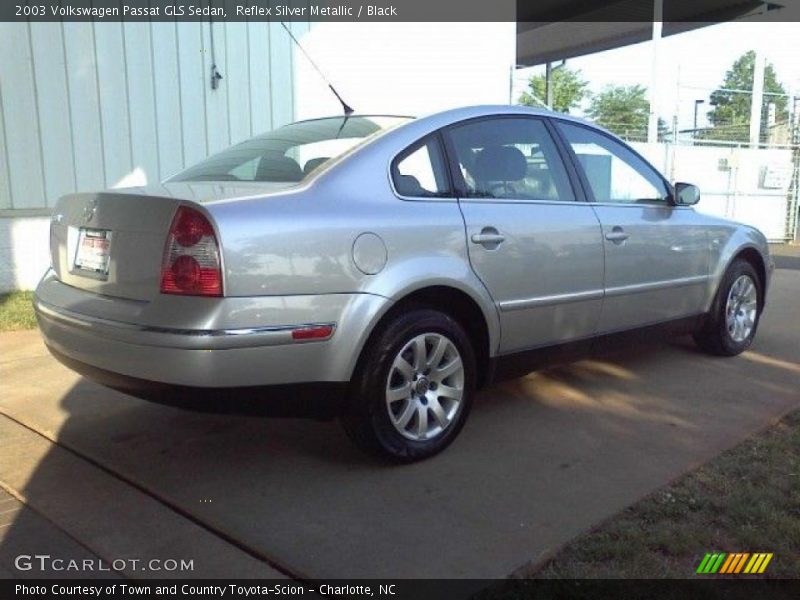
(276, 167)
(500, 163)
(314, 163)
(408, 185)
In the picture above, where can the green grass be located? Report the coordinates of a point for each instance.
(745, 500)
(16, 311)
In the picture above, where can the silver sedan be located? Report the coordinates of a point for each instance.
(383, 268)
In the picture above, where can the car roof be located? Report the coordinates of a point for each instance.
(487, 110)
(463, 112)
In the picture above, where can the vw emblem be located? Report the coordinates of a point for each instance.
(89, 210)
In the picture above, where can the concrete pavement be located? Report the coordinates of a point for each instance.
(541, 459)
(786, 256)
(74, 510)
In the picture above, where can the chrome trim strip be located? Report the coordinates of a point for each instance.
(472, 200)
(526, 303)
(196, 339)
(655, 285)
(659, 205)
(654, 204)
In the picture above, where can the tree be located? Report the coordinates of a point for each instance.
(569, 89)
(624, 110)
(730, 117)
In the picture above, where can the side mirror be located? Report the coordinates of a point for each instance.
(686, 194)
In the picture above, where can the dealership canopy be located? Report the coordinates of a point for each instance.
(551, 30)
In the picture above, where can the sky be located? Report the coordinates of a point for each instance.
(691, 64)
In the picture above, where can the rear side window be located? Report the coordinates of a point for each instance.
(510, 158)
(421, 172)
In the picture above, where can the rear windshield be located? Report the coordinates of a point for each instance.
(290, 153)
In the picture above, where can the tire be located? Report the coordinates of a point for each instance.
(731, 325)
(402, 408)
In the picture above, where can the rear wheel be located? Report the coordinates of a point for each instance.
(413, 388)
(732, 323)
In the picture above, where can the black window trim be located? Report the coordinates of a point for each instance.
(449, 194)
(584, 181)
(460, 186)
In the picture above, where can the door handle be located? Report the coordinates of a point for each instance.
(489, 238)
(617, 235)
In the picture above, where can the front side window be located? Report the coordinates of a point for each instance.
(421, 172)
(615, 173)
(290, 153)
(510, 158)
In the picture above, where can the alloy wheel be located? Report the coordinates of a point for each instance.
(425, 387)
(741, 308)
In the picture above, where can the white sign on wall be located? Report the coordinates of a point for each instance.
(775, 177)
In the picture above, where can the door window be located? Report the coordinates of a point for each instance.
(510, 158)
(615, 174)
(420, 171)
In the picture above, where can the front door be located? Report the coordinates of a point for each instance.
(656, 254)
(535, 246)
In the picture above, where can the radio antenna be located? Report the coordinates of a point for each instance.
(346, 107)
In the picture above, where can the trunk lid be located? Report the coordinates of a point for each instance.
(134, 228)
(127, 231)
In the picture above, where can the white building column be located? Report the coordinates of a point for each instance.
(652, 122)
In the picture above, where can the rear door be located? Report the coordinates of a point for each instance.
(532, 240)
(656, 254)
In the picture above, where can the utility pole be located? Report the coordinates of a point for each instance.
(793, 228)
(757, 101)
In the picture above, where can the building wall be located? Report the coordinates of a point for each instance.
(87, 106)
(24, 251)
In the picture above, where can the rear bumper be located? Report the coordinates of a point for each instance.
(223, 354)
(322, 400)
(187, 339)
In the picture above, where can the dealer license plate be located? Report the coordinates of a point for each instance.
(93, 251)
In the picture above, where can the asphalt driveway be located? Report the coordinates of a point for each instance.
(541, 459)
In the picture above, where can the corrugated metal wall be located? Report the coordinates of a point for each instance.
(85, 105)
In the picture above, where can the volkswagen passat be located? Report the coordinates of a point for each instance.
(387, 267)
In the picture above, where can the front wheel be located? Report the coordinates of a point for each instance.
(413, 388)
(732, 323)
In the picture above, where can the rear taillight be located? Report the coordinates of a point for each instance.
(191, 264)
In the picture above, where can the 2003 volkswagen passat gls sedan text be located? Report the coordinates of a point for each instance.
(388, 267)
